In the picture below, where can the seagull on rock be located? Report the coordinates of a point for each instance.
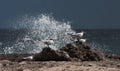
(48, 42)
(76, 35)
(28, 58)
(82, 40)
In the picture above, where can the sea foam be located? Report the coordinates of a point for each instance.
(39, 28)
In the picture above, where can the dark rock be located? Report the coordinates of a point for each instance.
(20, 69)
(113, 56)
(118, 65)
(83, 52)
(76, 51)
(49, 54)
(13, 57)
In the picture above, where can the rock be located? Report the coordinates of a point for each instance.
(49, 54)
(6, 61)
(19, 69)
(22, 63)
(27, 70)
(113, 56)
(118, 65)
(83, 52)
(1, 65)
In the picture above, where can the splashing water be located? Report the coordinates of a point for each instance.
(104, 48)
(40, 27)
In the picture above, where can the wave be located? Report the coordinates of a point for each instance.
(39, 27)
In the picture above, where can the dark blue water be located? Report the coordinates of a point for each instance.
(106, 40)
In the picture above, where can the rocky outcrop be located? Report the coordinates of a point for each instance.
(72, 51)
(114, 56)
(83, 52)
(49, 54)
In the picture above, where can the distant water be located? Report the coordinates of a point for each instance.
(106, 40)
(28, 31)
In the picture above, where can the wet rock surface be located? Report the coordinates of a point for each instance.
(49, 54)
(83, 52)
(72, 51)
(113, 56)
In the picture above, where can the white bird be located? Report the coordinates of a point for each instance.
(76, 35)
(82, 40)
(48, 42)
(80, 34)
(28, 58)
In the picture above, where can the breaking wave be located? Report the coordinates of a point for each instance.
(39, 28)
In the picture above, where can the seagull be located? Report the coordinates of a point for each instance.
(82, 40)
(28, 58)
(76, 35)
(48, 42)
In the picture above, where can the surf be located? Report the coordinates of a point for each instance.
(38, 28)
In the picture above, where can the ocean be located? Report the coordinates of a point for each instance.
(28, 32)
(107, 41)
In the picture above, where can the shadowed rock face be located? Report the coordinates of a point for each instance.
(113, 56)
(49, 54)
(83, 52)
(71, 51)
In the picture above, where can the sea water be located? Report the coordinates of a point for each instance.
(28, 31)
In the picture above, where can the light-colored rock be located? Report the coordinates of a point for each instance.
(1, 65)
(22, 63)
(27, 70)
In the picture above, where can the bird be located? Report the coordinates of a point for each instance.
(49, 42)
(82, 40)
(28, 58)
(76, 35)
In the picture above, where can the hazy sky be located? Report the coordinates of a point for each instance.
(82, 13)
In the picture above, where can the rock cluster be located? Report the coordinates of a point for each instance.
(72, 51)
(83, 52)
(75, 50)
(113, 56)
(49, 54)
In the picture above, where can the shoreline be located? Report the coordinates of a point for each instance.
(13, 62)
(73, 57)
(6, 65)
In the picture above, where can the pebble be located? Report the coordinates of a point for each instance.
(20, 69)
(1, 65)
(27, 70)
(22, 63)
(118, 65)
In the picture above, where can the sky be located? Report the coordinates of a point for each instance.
(84, 14)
